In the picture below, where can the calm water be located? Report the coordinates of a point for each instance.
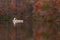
(25, 31)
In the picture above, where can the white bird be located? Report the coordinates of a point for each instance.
(16, 21)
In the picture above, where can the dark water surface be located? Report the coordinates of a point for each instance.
(25, 32)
